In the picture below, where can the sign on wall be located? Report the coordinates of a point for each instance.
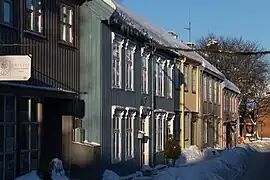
(15, 67)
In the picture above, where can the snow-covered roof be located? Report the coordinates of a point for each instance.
(139, 25)
(229, 85)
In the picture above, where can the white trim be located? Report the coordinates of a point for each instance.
(130, 113)
(170, 122)
(146, 133)
(119, 41)
(117, 112)
(147, 57)
(129, 86)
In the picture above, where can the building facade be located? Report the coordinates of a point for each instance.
(230, 117)
(34, 111)
(211, 99)
(129, 122)
(189, 101)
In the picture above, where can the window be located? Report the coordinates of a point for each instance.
(117, 141)
(177, 77)
(130, 136)
(186, 126)
(205, 131)
(34, 15)
(117, 43)
(215, 91)
(169, 80)
(218, 92)
(210, 89)
(66, 23)
(216, 133)
(129, 67)
(194, 73)
(29, 139)
(159, 78)
(8, 11)
(204, 88)
(186, 77)
(145, 59)
(160, 133)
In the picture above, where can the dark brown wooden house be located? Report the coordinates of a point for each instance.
(33, 113)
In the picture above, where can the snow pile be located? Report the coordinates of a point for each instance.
(58, 172)
(193, 154)
(232, 164)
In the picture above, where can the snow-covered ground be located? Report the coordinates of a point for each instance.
(247, 162)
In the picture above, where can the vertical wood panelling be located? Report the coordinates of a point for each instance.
(58, 63)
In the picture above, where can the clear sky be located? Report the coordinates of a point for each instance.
(247, 18)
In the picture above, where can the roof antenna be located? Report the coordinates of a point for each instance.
(189, 26)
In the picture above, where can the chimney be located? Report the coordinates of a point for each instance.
(173, 34)
(190, 44)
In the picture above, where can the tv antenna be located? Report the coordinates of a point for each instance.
(189, 26)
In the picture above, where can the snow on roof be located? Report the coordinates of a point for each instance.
(229, 85)
(137, 24)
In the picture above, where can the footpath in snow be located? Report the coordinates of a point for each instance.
(244, 162)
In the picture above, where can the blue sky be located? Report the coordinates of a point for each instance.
(246, 18)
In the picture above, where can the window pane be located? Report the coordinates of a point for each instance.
(29, 4)
(34, 136)
(7, 12)
(34, 160)
(10, 108)
(10, 167)
(10, 138)
(1, 167)
(24, 136)
(1, 139)
(2, 108)
(24, 163)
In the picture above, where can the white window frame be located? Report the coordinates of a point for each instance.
(129, 135)
(117, 41)
(210, 83)
(160, 84)
(145, 70)
(204, 88)
(215, 90)
(170, 125)
(116, 145)
(66, 23)
(7, 19)
(35, 10)
(187, 125)
(194, 77)
(160, 131)
(205, 133)
(170, 67)
(129, 65)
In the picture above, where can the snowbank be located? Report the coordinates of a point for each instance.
(232, 164)
(58, 172)
(193, 155)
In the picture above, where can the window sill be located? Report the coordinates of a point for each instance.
(116, 161)
(8, 26)
(70, 45)
(129, 158)
(36, 34)
(115, 87)
(129, 90)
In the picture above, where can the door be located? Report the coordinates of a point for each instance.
(145, 144)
